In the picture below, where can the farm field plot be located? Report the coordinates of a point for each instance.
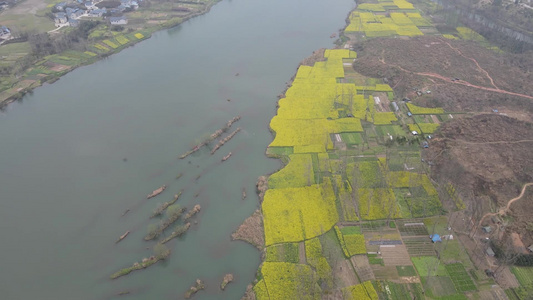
(397, 291)
(524, 276)
(429, 266)
(315, 257)
(385, 272)
(412, 228)
(441, 286)
(287, 281)
(286, 252)
(362, 267)
(395, 255)
(406, 270)
(461, 279)
(295, 214)
(297, 173)
(379, 203)
(351, 240)
(361, 291)
(419, 246)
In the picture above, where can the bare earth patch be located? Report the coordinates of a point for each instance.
(251, 231)
(344, 274)
(57, 67)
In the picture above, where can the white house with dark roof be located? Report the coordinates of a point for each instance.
(4, 31)
(97, 12)
(118, 20)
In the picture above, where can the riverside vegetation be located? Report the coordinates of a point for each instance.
(36, 56)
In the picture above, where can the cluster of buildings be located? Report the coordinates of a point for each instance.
(5, 34)
(68, 14)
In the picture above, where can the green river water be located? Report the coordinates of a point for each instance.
(64, 180)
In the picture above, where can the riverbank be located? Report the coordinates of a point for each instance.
(102, 42)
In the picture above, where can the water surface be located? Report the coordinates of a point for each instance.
(76, 154)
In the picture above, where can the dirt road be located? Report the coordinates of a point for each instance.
(504, 210)
(461, 82)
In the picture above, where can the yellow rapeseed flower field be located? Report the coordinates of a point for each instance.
(364, 291)
(297, 173)
(377, 203)
(418, 110)
(110, 44)
(289, 281)
(122, 39)
(315, 257)
(383, 118)
(295, 214)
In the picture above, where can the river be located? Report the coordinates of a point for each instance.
(76, 154)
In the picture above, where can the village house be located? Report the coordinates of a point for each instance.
(4, 32)
(129, 4)
(61, 6)
(74, 13)
(118, 20)
(60, 18)
(89, 5)
(73, 22)
(97, 12)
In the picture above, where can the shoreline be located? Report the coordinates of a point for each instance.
(7, 98)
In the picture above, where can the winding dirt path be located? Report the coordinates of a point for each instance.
(475, 61)
(462, 82)
(504, 210)
(495, 142)
(520, 196)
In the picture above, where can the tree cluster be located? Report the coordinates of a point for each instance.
(42, 44)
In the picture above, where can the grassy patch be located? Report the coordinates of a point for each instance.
(429, 266)
(285, 252)
(406, 271)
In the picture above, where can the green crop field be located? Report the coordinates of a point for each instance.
(461, 279)
(286, 252)
(524, 276)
